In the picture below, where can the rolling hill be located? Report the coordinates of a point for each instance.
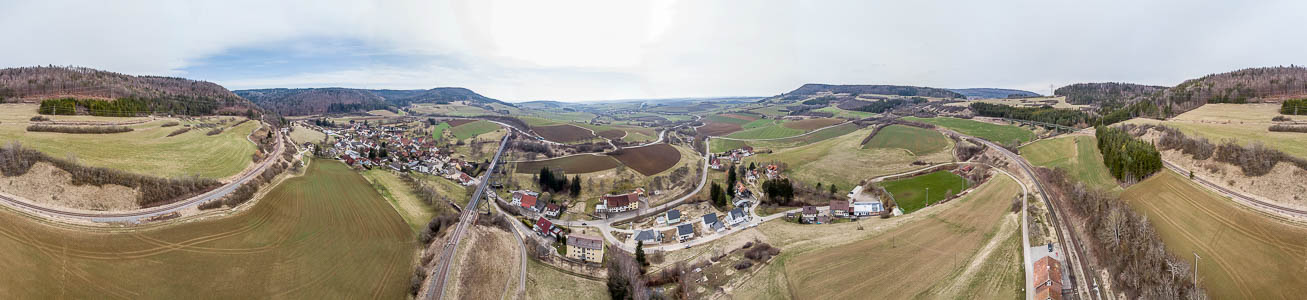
(814, 88)
(309, 101)
(1107, 93)
(1251, 85)
(992, 93)
(170, 94)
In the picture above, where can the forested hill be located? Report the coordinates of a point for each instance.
(813, 88)
(992, 93)
(436, 95)
(170, 94)
(312, 101)
(1270, 84)
(1107, 93)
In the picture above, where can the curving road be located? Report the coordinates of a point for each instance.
(135, 216)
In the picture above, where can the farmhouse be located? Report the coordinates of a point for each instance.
(839, 208)
(854, 193)
(585, 247)
(809, 214)
(715, 163)
(736, 216)
(863, 209)
(684, 232)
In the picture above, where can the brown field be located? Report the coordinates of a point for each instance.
(920, 259)
(718, 129)
(563, 133)
(489, 259)
(576, 164)
(456, 122)
(812, 124)
(649, 160)
(1245, 254)
(612, 134)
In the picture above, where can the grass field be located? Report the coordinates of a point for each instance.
(325, 234)
(911, 193)
(720, 145)
(1078, 154)
(438, 131)
(918, 259)
(1245, 255)
(473, 129)
(765, 129)
(841, 113)
(401, 197)
(1245, 123)
(487, 260)
(919, 141)
(302, 135)
(812, 124)
(842, 161)
(147, 150)
(1002, 134)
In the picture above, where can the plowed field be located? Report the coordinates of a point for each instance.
(649, 160)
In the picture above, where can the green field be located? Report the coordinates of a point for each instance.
(911, 193)
(765, 129)
(725, 119)
(1078, 155)
(720, 145)
(473, 129)
(326, 234)
(401, 197)
(438, 131)
(916, 140)
(1244, 123)
(1245, 254)
(840, 113)
(146, 150)
(1002, 134)
(841, 160)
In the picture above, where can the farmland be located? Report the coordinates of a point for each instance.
(1245, 255)
(918, 141)
(146, 150)
(917, 192)
(649, 160)
(472, 129)
(1245, 123)
(719, 145)
(565, 133)
(325, 234)
(718, 128)
(765, 129)
(812, 124)
(575, 164)
(921, 258)
(401, 197)
(842, 161)
(302, 135)
(1077, 154)
(1002, 134)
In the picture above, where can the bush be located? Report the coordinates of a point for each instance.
(79, 129)
(170, 124)
(214, 131)
(179, 131)
(1281, 119)
(1288, 128)
(743, 264)
(39, 118)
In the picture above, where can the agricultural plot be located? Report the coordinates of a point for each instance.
(565, 133)
(1245, 254)
(918, 141)
(1002, 134)
(457, 109)
(1244, 123)
(612, 134)
(575, 164)
(921, 258)
(325, 234)
(841, 160)
(765, 129)
(917, 192)
(649, 160)
(438, 131)
(852, 114)
(1078, 155)
(720, 145)
(401, 197)
(718, 128)
(303, 135)
(473, 129)
(146, 150)
(812, 124)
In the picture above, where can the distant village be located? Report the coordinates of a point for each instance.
(361, 145)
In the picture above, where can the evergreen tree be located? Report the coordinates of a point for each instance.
(639, 255)
(576, 186)
(730, 182)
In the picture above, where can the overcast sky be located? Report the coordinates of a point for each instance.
(588, 50)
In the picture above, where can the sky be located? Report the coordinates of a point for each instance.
(594, 50)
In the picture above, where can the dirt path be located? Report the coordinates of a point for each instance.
(1005, 229)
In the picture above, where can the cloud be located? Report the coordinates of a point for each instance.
(577, 50)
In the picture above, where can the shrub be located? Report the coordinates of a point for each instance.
(1281, 119)
(214, 131)
(743, 264)
(79, 129)
(1288, 128)
(179, 131)
(170, 124)
(39, 118)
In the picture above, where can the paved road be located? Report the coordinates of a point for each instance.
(1238, 196)
(1081, 268)
(135, 216)
(435, 288)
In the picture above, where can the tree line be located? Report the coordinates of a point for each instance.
(128, 106)
(885, 105)
(1127, 158)
(1046, 114)
(556, 182)
(1294, 107)
(15, 160)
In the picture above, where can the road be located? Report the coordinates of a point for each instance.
(135, 216)
(1081, 270)
(644, 212)
(436, 285)
(1238, 196)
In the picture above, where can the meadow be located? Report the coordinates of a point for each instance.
(917, 192)
(721, 145)
(918, 141)
(842, 161)
(473, 129)
(1077, 154)
(146, 150)
(401, 197)
(1244, 123)
(1245, 254)
(1001, 134)
(326, 234)
(765, 129)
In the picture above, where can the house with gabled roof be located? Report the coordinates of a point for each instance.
(587, 248)
(736, 216)
(684, 232)
(839, 208)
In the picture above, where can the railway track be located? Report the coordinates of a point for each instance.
(436, 285)
(1240, 197)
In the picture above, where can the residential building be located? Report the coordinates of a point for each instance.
(648, 236)
(522, 197)
(587, 248)
(864, 209)
(839, 208)
(1048, 278)
(620, 203)
(552, 210)
(709, 220)
(809, 214)
(673, 216)
(684, 232)
(736, 216)
(543, 227)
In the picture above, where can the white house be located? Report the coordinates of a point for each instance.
(863, 209)
(684, 232)
(736, 216)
